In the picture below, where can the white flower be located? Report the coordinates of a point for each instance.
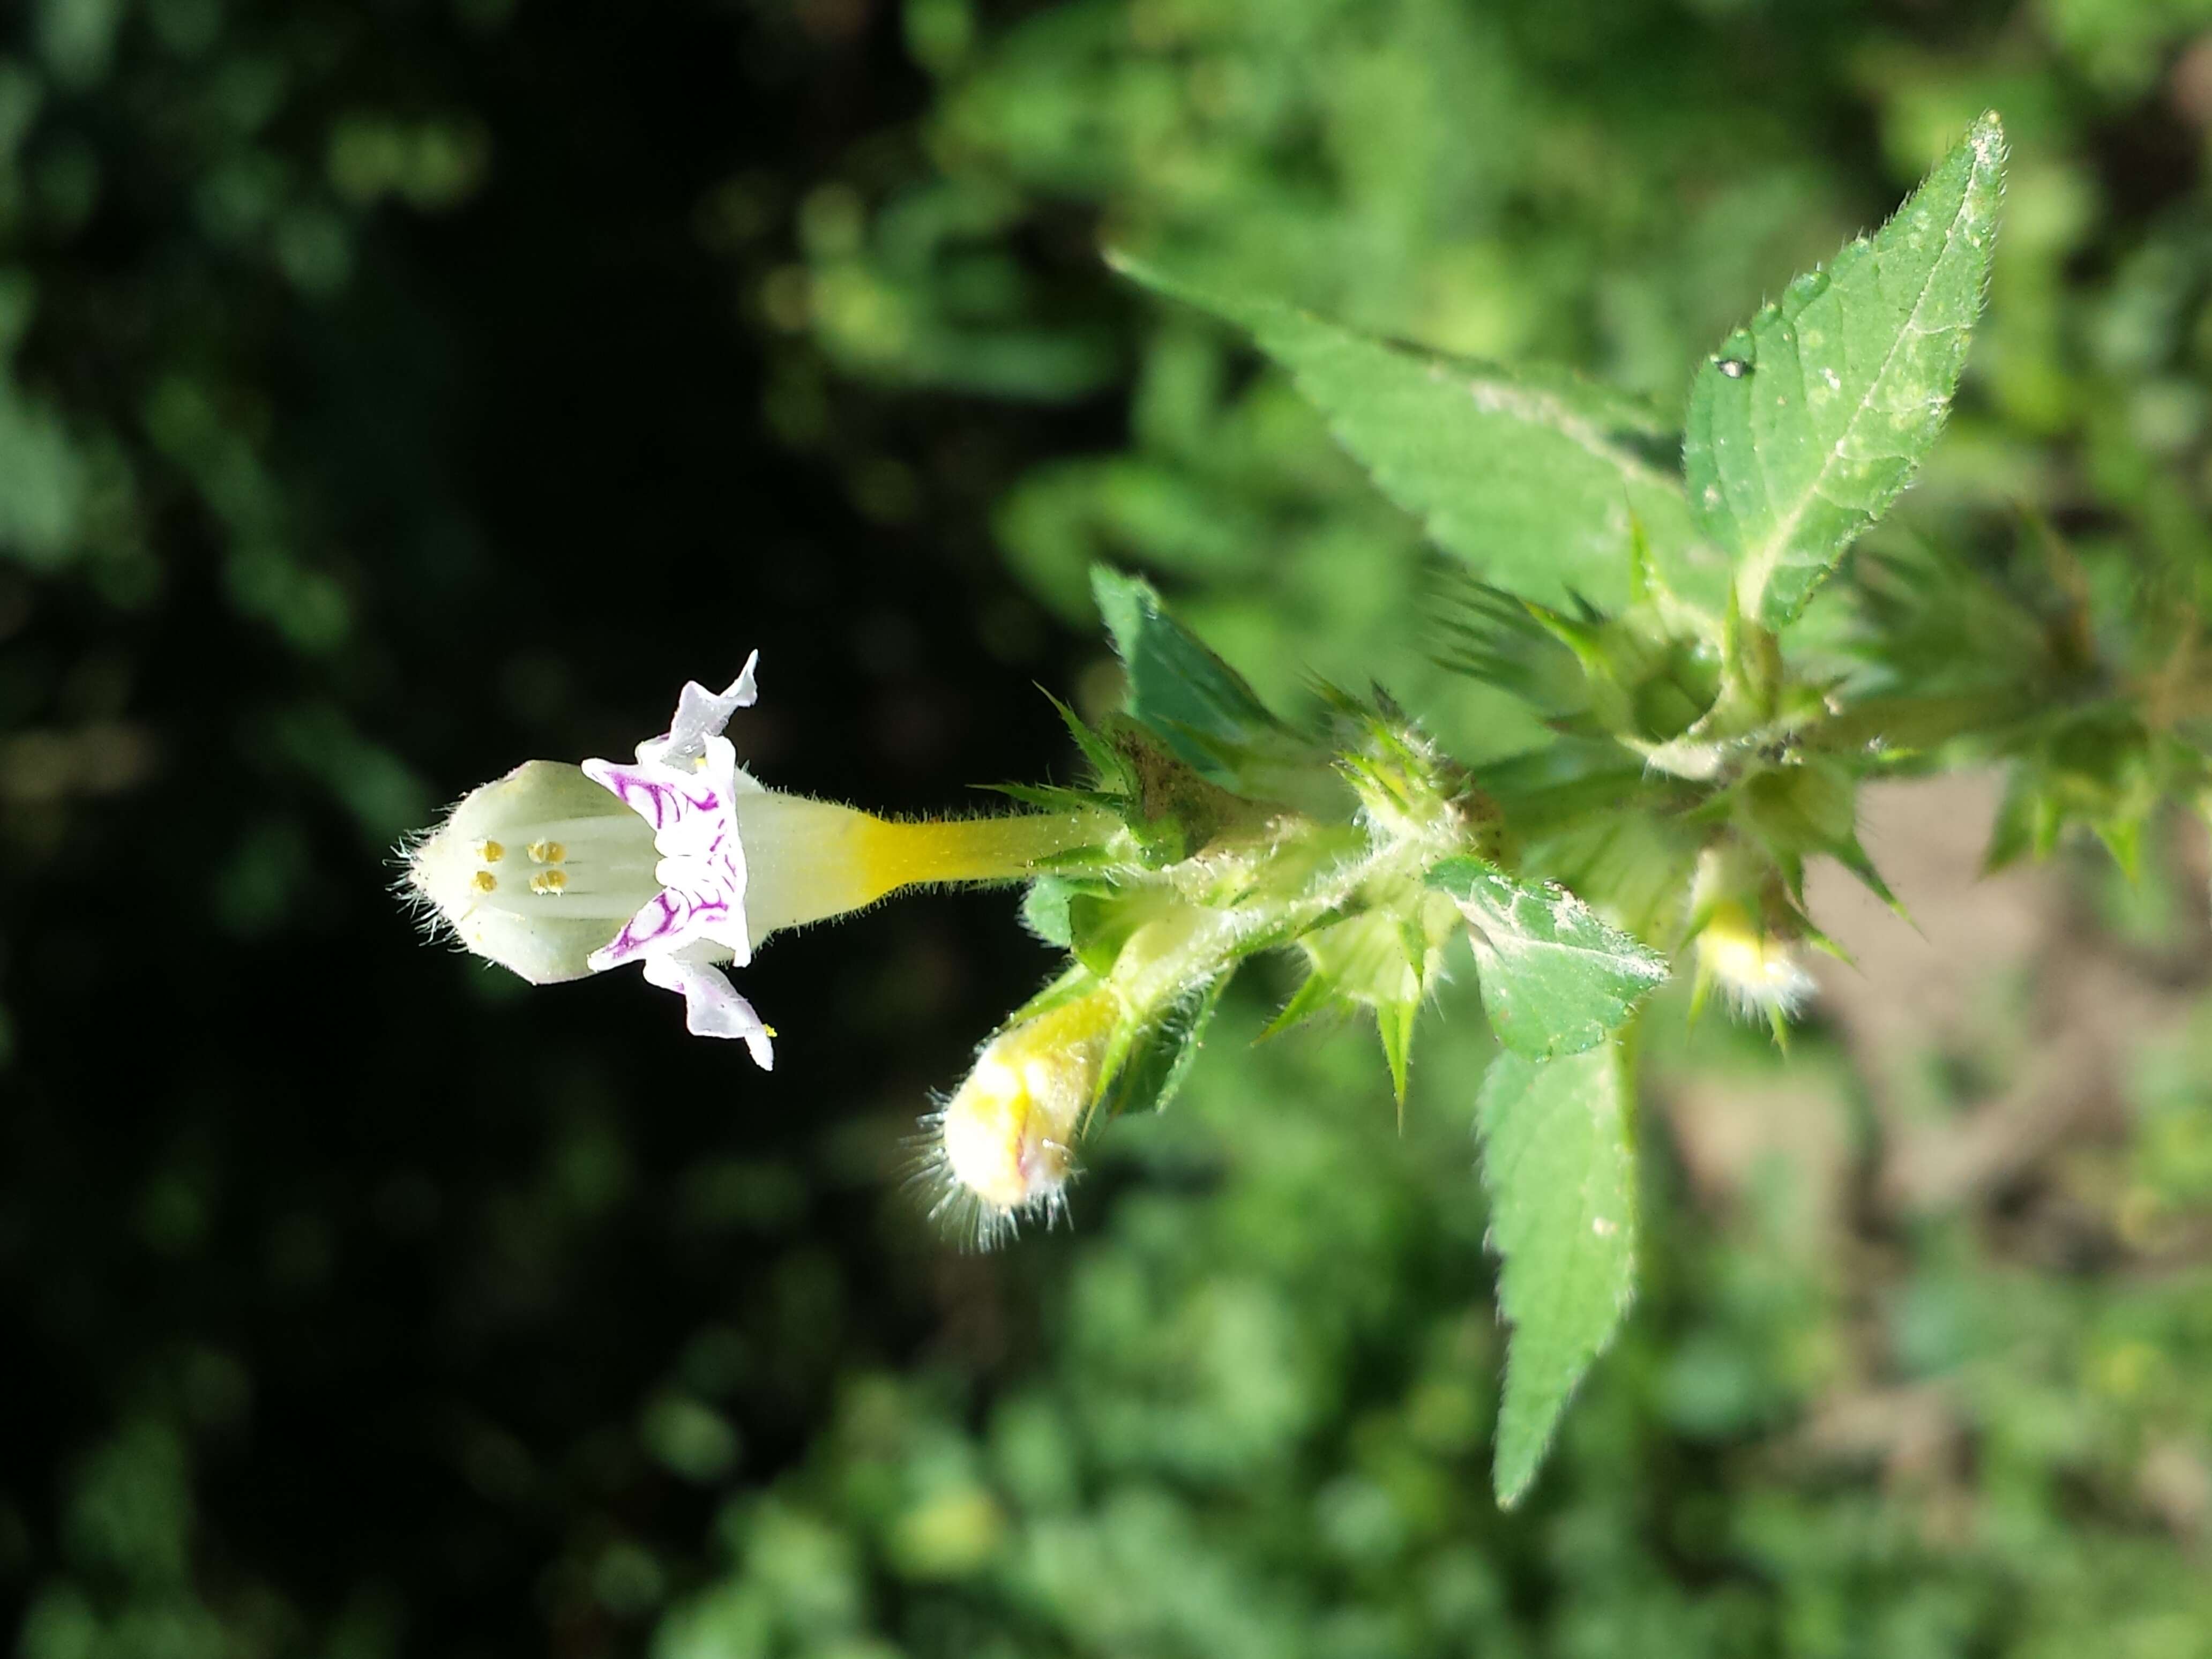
(681, 862)
(557, 871)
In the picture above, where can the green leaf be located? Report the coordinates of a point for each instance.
(1804, 427)
(1559, 1162)
(1557, 978)
(1540, 480)
(1180, 691)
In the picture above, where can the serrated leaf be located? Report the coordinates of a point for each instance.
(1557, 977)
(1540, 480)
(1558, 1163)
(1180, 691)
(1805, 426)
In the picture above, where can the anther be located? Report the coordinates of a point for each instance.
(548, 881)
(484, 882)
(491, 851)
(547, 852)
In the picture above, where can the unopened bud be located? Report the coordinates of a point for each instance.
(1747, 942)
(1757, 971)
(1003, 1147)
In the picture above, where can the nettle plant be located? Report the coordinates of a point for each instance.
(1704, 747)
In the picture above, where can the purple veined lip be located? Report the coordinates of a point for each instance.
(683, 785)
(660, 803)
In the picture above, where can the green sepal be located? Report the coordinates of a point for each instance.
(1393, 1024)
(2122, 838)
(1102, 918)
(1800, 811)
(1502, 640)
(2026, 826)
(1108, 773)
(1852, 854)
(1074, 980)
(1316, 992)
(1382, 959)
(1145, 1067)
(1053, 798)
(1045, 906)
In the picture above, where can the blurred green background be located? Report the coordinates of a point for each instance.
(392, 390)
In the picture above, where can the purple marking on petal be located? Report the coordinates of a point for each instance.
(675, 916)
(691, 807)
(702, 866)
(662, 802)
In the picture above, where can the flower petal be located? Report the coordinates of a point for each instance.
(702, 866)
(700, 714)
(712, 1006)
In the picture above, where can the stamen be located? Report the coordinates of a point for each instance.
(547, 852)
(490, 852)
(548, 881)
(484, 882)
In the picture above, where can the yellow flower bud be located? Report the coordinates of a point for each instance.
(1003, 1146)
(1741, 949)
(1757, 971)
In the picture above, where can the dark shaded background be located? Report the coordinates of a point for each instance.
(405, 1247)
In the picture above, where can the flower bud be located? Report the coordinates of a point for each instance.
(1757, 971)
(1746, 938)
(1003, 1146)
